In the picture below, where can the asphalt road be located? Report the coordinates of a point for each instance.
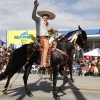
(84, 88)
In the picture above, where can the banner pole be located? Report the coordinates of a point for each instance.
(6, 39)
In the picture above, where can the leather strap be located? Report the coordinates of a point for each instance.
(42, 37)
(64, 53)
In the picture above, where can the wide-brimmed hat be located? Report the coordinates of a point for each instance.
(50, 13)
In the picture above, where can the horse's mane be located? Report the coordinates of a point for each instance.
(62, 43)
(70, 33)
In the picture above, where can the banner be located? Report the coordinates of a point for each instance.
(20, 36)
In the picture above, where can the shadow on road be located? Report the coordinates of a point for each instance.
(75, 90)
(45, 86)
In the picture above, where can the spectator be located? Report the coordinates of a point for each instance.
(87, 69)
(11, 47)
(34, 69)
(1, 50)
(79, 71)
(77, 64)
(4, 62)
(95, 70)
(83, 70)
(91, 70)
(89, 65)
(98, 65)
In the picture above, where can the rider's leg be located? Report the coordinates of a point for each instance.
(45, 44)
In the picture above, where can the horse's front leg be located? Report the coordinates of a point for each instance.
(55, 74)
(50, 71)
(65, 80)
(70, 68)
(25, 78)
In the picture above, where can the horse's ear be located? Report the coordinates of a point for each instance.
(79, 27)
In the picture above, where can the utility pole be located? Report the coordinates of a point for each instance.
(6, 39)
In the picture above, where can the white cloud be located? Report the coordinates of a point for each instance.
(19, 17)
(86, 4)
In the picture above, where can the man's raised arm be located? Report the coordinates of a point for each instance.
(34, 17)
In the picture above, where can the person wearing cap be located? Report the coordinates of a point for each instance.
(42, 29)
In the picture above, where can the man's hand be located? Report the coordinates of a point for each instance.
(36, 4)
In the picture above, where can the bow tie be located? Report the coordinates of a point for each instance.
(46, 23)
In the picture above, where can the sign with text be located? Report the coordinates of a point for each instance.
(20, 36)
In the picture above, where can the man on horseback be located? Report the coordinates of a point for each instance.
(42, 29)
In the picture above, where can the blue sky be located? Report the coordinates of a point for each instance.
(69, 14)
(89, 32)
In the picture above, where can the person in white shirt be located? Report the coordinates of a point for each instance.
(42, 29)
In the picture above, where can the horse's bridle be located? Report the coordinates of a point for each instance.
(80, 33)
(76, 34)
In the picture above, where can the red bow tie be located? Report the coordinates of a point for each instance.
(46, 23)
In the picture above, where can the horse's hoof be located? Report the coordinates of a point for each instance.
(72, 80)
(4, 91)
(30, 94)
(57, 98)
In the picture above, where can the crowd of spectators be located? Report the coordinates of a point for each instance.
(4, 56)
(81, 67)
(5, 51)
(87, 67)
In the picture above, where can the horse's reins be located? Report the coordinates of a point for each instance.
(64, 53)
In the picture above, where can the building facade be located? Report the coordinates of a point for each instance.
(94, 41)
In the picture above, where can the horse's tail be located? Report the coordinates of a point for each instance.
(8, 68)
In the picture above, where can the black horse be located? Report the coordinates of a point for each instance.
(57, 61)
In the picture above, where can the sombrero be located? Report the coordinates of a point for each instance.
(51, 14)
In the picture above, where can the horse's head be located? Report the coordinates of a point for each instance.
(81, 38)
(78, 37)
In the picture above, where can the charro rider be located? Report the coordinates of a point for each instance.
(42, 29)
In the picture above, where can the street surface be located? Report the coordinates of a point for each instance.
(84, 88)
